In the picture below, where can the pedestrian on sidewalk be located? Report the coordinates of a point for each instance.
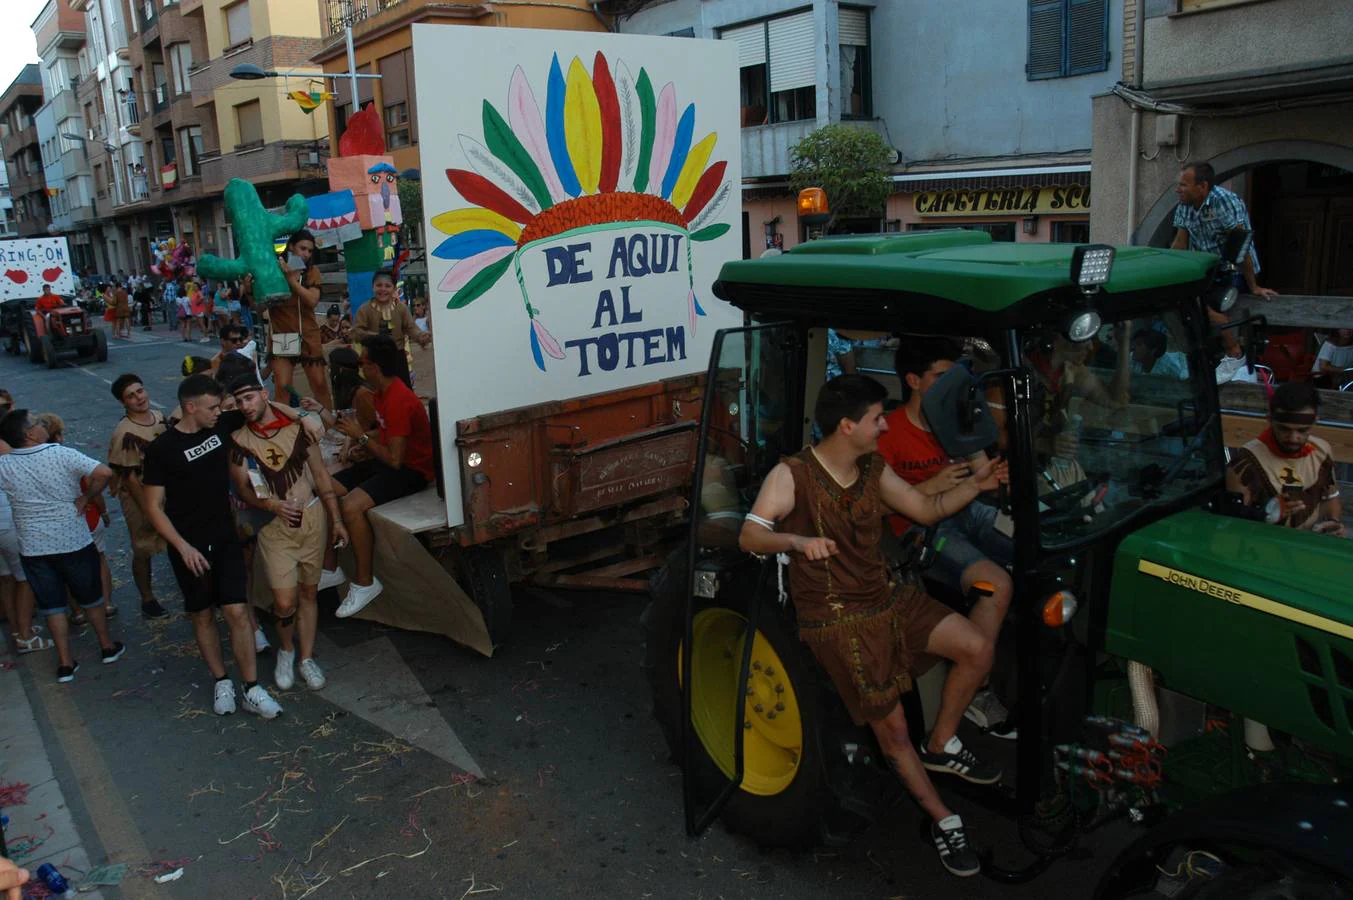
(276, 465)
(42, 480)
(188, 470)
(122, 312)
(96, 517)
(139, 425)
(16, 599)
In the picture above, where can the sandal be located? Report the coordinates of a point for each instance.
(34, 644)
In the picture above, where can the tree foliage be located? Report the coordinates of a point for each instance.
(851, 163)
(410, 204)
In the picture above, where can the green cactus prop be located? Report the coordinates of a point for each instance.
(255, 229)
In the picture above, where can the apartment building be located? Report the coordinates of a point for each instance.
(383, 43)
(1261, 90)
(6, 206)
(23, 161)
(62, 136)
(990, 123)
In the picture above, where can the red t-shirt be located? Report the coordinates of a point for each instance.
(913, 453)
(48, 302)
(400, 413)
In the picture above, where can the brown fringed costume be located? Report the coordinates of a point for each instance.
(867, 629)
(126, 456)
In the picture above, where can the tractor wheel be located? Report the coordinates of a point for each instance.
(100, 346)
(483, 574)
(49, 351)
(32, 345)
(792, 794)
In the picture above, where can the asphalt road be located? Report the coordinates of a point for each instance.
(342, 797)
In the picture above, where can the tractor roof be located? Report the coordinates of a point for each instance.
(964, 270)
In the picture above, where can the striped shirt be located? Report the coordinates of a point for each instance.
(1208, 225)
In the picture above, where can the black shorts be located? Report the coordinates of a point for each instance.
(380, 482)
(221, 585)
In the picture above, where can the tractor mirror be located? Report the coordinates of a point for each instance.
(957, 412)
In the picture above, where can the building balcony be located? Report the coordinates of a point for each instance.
(189, 6)
(75, 162)
(64, 106)
(34, 226)
(264, 163)
(766, 149)
(159, 99)
(174, 28)
(19, 185)
(81, 214)
(13, 143)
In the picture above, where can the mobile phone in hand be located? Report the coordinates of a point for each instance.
(295, 263)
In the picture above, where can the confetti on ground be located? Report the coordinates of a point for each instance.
(158, 867)
(290, 882)
(13, 793)
(26, 845)
(322, 841)
(169, 876)
(475, 889)
(393, 853)
(463, 778)
(209, 789)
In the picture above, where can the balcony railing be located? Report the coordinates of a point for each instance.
(347, 13)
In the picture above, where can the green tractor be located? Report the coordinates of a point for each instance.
(1156, 621)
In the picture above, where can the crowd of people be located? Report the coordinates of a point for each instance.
(235, 473)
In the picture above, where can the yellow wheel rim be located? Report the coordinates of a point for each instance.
(772, 729)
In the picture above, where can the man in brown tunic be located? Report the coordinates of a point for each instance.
(276, 465)
(825, 507)
(1289, 463)
(126, 454)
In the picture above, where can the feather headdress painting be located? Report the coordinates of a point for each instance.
(607, 151)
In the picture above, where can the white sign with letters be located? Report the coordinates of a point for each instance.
(581, 192)
(26, 264)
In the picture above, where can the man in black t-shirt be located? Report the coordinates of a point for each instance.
(188, 467)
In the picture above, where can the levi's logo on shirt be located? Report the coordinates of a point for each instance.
(203, 448)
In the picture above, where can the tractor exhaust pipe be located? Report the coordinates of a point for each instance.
(1145, 711)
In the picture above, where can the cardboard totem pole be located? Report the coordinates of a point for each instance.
(361, 211)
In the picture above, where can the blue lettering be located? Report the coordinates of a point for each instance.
(606, 307)
(564, 265)
(628, 315)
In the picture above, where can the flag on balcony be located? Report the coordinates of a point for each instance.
(309, 101)
(53, 191)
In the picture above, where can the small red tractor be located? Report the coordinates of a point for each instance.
(63, 330)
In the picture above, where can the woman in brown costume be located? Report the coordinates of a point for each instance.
(825, 506)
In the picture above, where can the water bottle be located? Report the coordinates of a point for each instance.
(54, 881)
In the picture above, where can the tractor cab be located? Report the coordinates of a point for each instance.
(1091, 370)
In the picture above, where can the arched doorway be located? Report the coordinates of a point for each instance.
(1300, 196)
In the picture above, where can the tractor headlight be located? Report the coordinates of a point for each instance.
(1224, 298)
(1083, 326)
(1091, 265)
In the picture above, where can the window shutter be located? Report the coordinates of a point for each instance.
(1046, 19)
(854, 28)
(1088, 37)
(237, 23)
(751, 41)
(792, 61)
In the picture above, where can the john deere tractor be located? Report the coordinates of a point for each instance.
(1172, 658)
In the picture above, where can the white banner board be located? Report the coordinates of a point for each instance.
(26, 264)
(581, 191)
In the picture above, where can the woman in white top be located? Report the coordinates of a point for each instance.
(1334, 358)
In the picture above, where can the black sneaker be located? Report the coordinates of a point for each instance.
(956, 854)
(66, 674)
(114, 653)
(152, 609)
(955, 759)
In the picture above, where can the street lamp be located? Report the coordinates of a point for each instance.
(251, 72)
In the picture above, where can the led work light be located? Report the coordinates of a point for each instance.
(1090, 266)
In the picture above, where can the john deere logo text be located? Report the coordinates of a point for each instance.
(1203, 586)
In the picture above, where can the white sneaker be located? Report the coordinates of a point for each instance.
(312, 675)
(358, 597)
(258, 701)
(1233, 368)
(331, 578)
(224, 704)
(283, 676)
(261, 641)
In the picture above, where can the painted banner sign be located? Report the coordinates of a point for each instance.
(586, 194)
(1070, 199)
(27, 264)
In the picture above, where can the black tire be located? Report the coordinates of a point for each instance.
(824, 803)
(32, 345)
(483, 574)
(100, 346)
(49, 351)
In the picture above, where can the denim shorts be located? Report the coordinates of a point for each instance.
(969, 536)
(51, 576)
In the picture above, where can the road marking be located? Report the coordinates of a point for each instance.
(80, 368)
(112, 820)
(376, 684)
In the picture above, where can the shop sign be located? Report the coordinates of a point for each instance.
(1022, 201)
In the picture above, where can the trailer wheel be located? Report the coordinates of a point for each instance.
(792, 795)
(483, 574)
(100, 346)
(49, 351)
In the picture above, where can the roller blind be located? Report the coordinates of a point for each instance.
(1087, 36)
(1046, 19)
(854, 28)
(792, 61)
(237, 23)
(751, 41)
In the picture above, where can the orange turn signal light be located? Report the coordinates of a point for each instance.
(813, 202)
(1059, 608)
